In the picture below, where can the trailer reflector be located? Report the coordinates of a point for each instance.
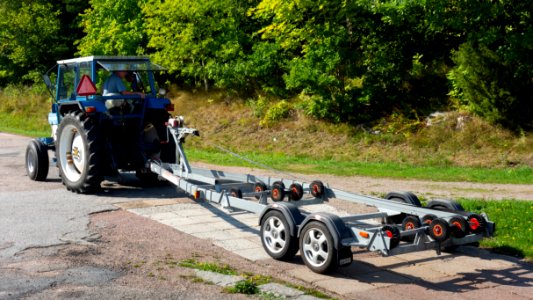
(196, 195)
(364, 234)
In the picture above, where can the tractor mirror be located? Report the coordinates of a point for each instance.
(47, 81)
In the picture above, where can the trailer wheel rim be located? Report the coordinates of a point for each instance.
(72, 153)
(474, 224)
(437, 230)
(275, 235)
(316, 248)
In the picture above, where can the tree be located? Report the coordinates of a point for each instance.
(113, 28)
(29, 39)
(202, 40)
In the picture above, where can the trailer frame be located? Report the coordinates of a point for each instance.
(325, 240)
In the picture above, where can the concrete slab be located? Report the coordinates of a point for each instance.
(238, 244)
(344, 286)
(303, 273)
(253, 254)
(280, 290)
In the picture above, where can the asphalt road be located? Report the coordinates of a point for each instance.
(39, 220)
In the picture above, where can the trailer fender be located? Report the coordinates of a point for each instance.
(335, 225)
(291, 213)
(445, 204)
(407, 197)
(65, 108)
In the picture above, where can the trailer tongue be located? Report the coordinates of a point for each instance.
(325, 240)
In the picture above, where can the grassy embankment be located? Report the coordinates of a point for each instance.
(395, 147)
(474, 152)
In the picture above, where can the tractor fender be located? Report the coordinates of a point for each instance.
(448, 204)
(334, 223)
(65, 108)
(407, 197)
(291, 213)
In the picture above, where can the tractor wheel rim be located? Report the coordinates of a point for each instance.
(29, 162)
(275, 235)
(315, 247)
(71, 153)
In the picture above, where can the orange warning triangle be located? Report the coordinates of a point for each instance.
(86, 87)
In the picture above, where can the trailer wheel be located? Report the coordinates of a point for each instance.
(410, 223)
(279, 183)
(37, 162)
(258, 188)
(317, 188)
(427, 219)
(276, 238)
(439, 230)
(476, 223)
(393, 233)
(277, 193)
(237, 193)
(296, 191)
(458, 227)
(316, 245)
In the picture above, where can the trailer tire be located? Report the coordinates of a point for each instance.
(237, 193)
(37, 161)
(427, 219)
(296, 191)
(439, 230)
(317, 188)
(277, 193)
(458, 227)
(258, 188)
(279, 183)
(393, 233)
(476, 223)
(276, 237)
(445, 205)
(317, 250)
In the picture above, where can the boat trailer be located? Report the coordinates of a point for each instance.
(325, 240)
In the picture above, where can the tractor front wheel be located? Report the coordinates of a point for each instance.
(78, 150)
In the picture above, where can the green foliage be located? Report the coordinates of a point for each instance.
(201, 41)
(247, 287)
(28, 36)
(113, 28)
(494, 66)
(207, 266)
(277, 112)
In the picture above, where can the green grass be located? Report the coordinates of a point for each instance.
(513, 218)
(301, 164)
(14, 124)
(206, 266)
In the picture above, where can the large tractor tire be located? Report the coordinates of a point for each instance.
(37, 161)
(79, 149)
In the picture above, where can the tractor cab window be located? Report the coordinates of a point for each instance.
(66, 82)
(69, 77)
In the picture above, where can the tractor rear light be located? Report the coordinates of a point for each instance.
(169, 107)
(90, 109)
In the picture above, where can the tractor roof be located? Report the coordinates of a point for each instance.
(117, 63)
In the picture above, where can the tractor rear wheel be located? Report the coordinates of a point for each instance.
(79, 149)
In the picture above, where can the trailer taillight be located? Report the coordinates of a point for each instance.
(196, 195)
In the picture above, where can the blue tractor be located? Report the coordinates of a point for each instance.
(97, 134)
